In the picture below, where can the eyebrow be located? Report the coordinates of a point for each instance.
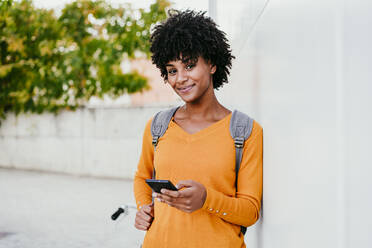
(186, 62)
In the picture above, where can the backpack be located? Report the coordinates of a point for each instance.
(240, 130)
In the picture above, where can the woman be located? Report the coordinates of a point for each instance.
(197, 151)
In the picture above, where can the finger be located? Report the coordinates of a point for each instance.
(152, 209)
(183, 203)
(141, 227)
(182, 196)
(147, 209)
(140, 221)
(181, 207)
(163, 198)
(170, 193)
(144, 216)
(184, 184)
(143, 222)
(169, 199)
(187, 192)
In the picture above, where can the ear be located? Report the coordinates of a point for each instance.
(213, 69)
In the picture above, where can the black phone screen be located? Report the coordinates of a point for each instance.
(157, 185)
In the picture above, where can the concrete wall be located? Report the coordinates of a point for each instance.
(103, 139)
(102, 142)
(303, 70)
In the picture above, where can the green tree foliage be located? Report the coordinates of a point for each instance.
(48, 63)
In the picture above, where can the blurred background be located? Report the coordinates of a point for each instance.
(77, 87)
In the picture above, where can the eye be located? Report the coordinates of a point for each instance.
(172, 71)
(190, 66)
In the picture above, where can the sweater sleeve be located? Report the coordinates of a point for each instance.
(244, 208)
(142, 192)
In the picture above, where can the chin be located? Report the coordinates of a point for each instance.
(189, 99)
(186, 98)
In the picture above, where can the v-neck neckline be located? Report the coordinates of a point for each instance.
(202, 132)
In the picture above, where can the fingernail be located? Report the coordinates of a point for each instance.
(159, 200)
(154, 195)
(162, 191)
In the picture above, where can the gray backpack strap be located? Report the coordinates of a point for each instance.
(240, 130)
(159, 125)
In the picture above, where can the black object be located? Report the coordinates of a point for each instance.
(117, 213)
(157, 185)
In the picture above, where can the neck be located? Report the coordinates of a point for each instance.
(207, 106)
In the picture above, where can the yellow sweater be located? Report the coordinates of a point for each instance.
(207, 157)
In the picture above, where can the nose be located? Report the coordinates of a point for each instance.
(181, 76)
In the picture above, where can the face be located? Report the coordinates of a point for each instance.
(191, 80)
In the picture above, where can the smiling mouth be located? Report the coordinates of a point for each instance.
(185, 89)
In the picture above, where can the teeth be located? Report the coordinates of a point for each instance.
(185, 87)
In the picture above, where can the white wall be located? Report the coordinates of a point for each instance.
(304, 72)
(103, 142)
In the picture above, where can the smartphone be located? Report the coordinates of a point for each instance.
(157, 185)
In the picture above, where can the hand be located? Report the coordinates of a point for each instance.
(190, 197)
(144, 217)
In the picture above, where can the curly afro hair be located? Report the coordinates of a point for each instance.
(191, 34)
